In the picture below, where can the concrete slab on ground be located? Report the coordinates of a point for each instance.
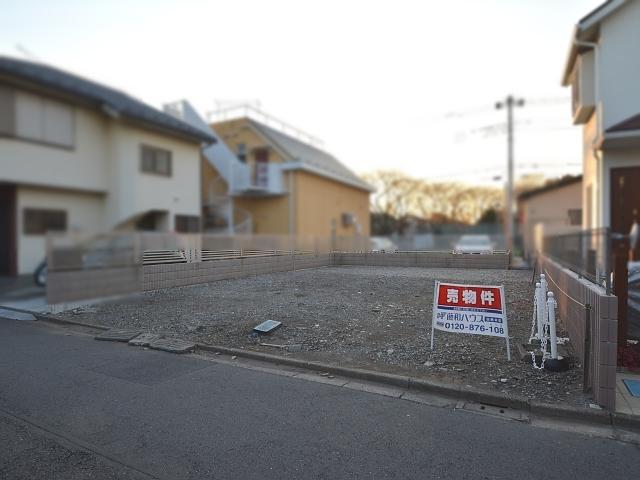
(117, 335)
(173, 345)
(625, 402)
(144, 339)
(15, 315)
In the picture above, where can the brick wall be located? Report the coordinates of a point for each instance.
(572, 293)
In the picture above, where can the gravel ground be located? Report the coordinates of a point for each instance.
(369, 317)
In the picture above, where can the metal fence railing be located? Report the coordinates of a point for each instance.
(587, 253)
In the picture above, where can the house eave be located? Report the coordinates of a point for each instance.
(619, 140)
(587, 29)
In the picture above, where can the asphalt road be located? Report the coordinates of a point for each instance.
(75, 408)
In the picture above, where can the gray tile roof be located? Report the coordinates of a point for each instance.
(311, 157)
(103, 96)
(631, 123)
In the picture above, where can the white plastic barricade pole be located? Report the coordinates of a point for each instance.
(543, 306)
(540, 309)
(551, 314)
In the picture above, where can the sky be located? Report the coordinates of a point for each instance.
(405, 85)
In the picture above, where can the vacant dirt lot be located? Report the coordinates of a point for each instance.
(371, 317)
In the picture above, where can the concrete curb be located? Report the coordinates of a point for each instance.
(52, 318)
(456, 392)
(595, 416)
(625, 421)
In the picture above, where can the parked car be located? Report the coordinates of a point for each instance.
(473, 244)
(40, 274)
(382, 244)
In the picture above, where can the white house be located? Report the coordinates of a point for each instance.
(603, 70)
(79, 156)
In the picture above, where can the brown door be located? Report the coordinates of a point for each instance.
(625, 208)
(625, 201)
(8, 251)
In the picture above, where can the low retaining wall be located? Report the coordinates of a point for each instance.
(572, 294)
(178, 275)
(76, 285)
(424, 259)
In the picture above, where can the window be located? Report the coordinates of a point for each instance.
(242, 152)
(155, 160)
(575, 216)
(40, 221)
(43, 120)
(187, 223)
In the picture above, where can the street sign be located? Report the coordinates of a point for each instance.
(474, 309)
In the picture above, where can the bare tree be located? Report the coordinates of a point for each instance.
(399, 195)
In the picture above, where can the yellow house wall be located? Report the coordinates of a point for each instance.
(270, 215)
(319, 200)
(316, 200)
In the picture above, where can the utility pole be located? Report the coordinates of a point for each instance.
(509, 104)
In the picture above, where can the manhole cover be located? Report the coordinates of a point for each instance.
(173, 345)
(144, 339)
(117, 335)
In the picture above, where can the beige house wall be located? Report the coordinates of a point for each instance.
(134, 192)
(85, 166)
(98, 180)
(548, 213)
(85, 213)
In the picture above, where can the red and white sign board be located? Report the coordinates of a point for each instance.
(475, 309)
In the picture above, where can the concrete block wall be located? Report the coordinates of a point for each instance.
(176, 275)
(423, 259)
(572, 293)
(75, 285)
(182, 274)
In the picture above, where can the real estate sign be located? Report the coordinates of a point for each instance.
(475, 309)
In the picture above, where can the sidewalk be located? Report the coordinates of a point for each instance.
(21, 292)
(625, 402)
